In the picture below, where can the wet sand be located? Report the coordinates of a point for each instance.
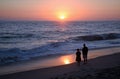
(57, 66)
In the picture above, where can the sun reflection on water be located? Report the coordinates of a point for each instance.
(67, 59)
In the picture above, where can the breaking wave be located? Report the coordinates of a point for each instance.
(97, 37)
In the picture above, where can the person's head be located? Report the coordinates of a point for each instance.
(78, 49)
(84, 45)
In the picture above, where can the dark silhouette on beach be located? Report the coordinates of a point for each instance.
(85, 53)
(78, 56)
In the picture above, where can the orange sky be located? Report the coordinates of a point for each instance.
(53, 9)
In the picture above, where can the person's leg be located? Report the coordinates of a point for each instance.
(78, 63)
(84, 58)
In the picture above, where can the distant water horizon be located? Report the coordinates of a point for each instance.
(22, 40)
(111, 20)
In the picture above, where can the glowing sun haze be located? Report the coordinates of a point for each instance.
(59, 10)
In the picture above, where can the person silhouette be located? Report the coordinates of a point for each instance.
(85, 53)
(78, 56)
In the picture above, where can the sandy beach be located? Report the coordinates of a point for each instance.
(72, 70)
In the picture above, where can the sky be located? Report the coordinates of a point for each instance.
(60, 10)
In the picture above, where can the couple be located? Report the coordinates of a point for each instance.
(84, 53)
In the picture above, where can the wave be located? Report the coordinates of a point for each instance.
(15, 54)
(97, 37)
(53, 48)
(15, 35)
(10, 55)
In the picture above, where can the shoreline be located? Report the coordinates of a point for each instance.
(55, 55)
(72, 71)
(35, 64)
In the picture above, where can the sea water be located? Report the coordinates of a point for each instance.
(24, 40)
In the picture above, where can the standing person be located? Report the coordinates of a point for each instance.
(84, 53)
(78, 56)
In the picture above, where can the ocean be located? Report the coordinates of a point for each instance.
(24, 40)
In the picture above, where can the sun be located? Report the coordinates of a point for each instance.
(62, 17)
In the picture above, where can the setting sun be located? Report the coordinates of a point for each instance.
(62, 17)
